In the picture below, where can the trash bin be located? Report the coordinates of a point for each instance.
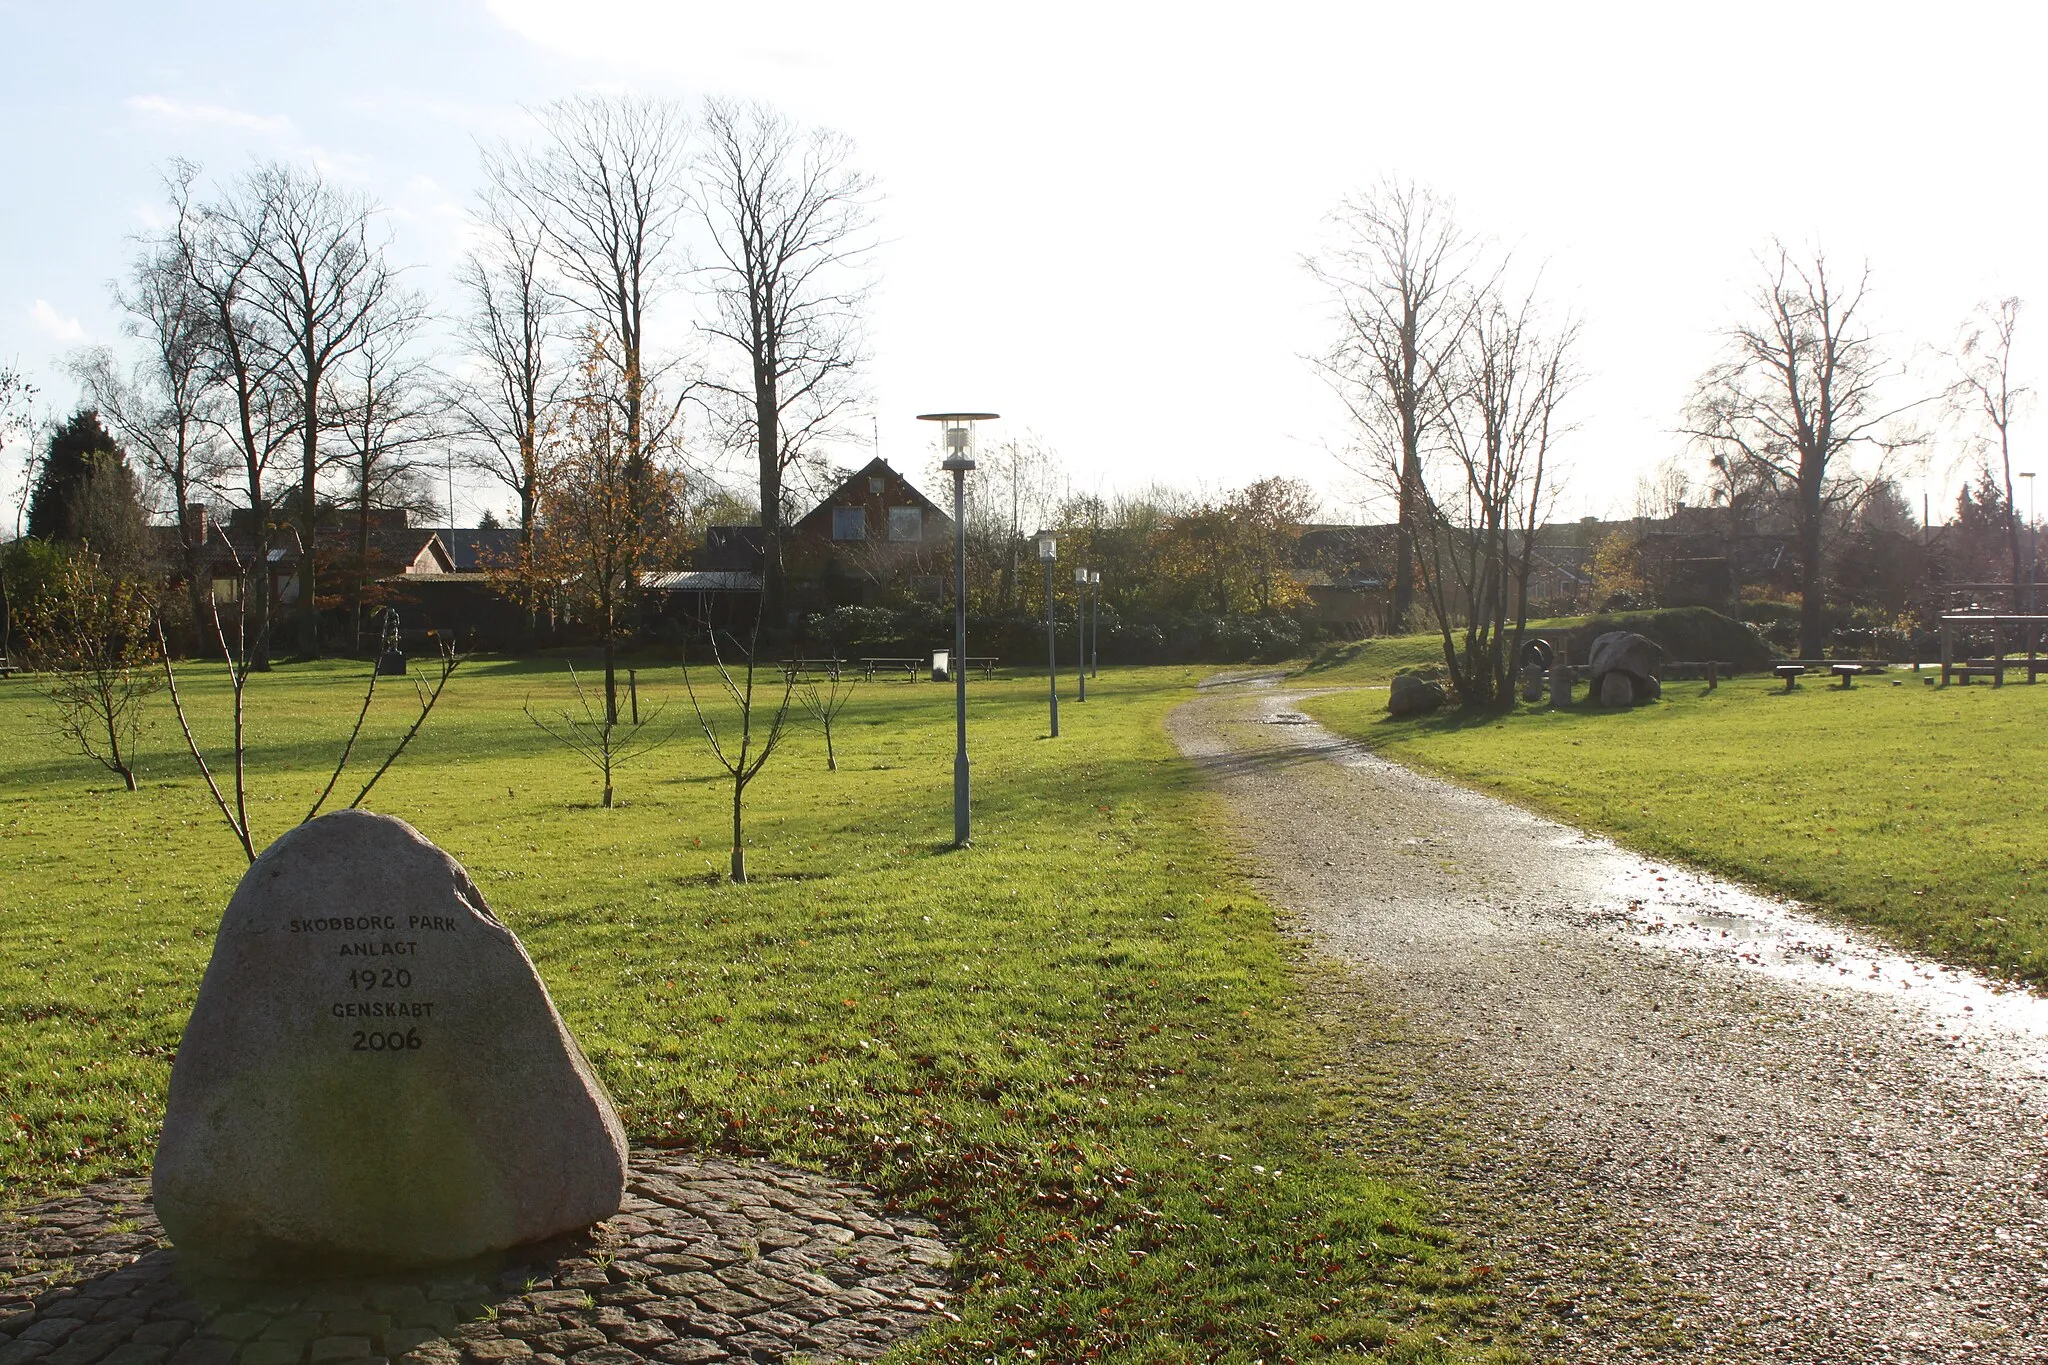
(942, 660)
(391, 663)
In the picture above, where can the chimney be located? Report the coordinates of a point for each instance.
(195, 523)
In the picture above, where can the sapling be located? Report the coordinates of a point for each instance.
(824, 704)
(744, 759)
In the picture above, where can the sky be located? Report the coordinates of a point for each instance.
(1093, 217)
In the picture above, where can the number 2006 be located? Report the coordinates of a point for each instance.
(408, 1041)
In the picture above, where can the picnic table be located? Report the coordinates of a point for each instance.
(886, 663)
(2030, 631)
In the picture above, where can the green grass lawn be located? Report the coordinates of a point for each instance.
(1372, 661)
(1917, 811)
(1079, 1045)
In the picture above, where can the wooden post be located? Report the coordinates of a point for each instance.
(1947, 650)
(1997, 655)
(1560, 675)
(2033, 648)
(633, 691)
(1713, 674)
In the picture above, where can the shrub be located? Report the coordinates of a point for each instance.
(1687, 633)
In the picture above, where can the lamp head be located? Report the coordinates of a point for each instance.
(957, 436)
(1048, 546)
(1081, 577)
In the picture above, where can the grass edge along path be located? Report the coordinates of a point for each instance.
(1080, 1046)
(1909, 811)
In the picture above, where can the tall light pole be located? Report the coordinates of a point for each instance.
(2033, 538)
(958, 429)
(1081, 633)
(1095, 625)
(1048, 551)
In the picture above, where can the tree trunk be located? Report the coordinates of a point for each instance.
(529, 632)
(1813, 604)
(1404, 542)
(768, 452)
(309, 500)
(114, 741)
(362, 555)
(611, 677)
(739, 853)
(831, 762)
(256, 643)
(2012, 522)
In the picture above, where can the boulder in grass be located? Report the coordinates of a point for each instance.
(373, 1076)
(1410, 695)
(1623, 655)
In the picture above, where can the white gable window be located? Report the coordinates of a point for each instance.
(849, 523)
(906, 523)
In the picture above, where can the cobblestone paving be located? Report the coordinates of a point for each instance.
(709, 1260)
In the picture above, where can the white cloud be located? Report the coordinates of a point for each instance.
(178, 113)
(69, 331)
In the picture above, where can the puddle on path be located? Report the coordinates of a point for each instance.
(1682, 911)
(1667, 908)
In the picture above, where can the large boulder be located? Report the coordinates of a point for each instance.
(1622, 655)
(373, 1076)
(1410, 695)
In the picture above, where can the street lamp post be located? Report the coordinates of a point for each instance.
(1048, 550)
(958, 428)
(1095, 624)
(1081, 633)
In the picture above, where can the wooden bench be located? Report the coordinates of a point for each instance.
(884, 664)
(7, 666)
(1847, 672)
(1790, 673)
(1993, 669)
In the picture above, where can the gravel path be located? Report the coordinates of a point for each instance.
(1677, 1144)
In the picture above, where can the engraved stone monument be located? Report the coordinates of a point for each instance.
(374, 1076)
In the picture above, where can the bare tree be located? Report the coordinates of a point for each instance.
(1476, 531)
(788, 219)
(245, 367)
(605, 189)
(1399, 276)
(323, 289)
(1984, 390)
(425, 692)
(17, 405)
(163, 410)
(90, 641)
(1014, 490)
(744, 754)
(1797, 396)
(599, 522)
(388, 405)
(511, 327)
